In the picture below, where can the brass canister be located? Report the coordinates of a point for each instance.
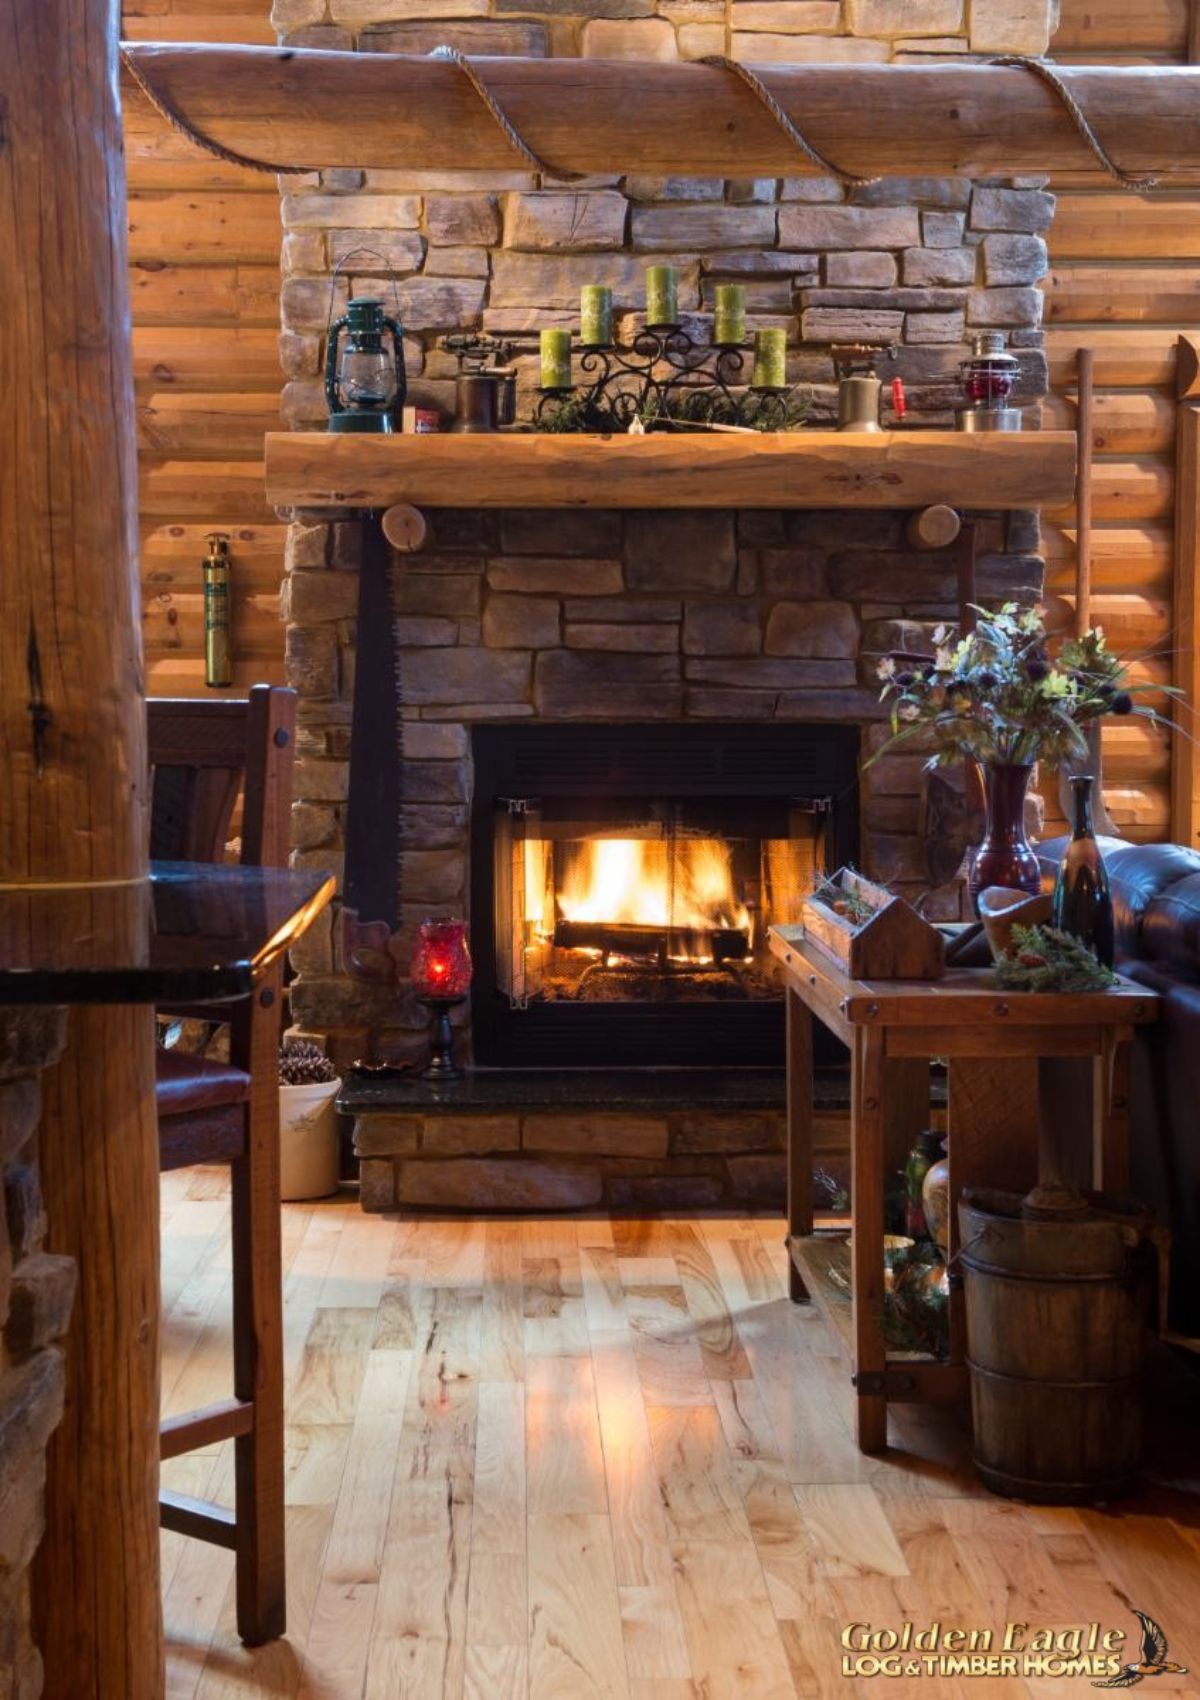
(218, 648)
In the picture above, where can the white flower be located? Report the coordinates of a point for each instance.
(886, 668)
(908, 711)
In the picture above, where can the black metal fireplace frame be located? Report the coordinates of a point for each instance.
(787, 760)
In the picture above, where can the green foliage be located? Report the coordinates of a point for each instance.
(584, 412)
(1045, 960)
(916, 1312)
(999, 695)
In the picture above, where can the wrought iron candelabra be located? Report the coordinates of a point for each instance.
(665, 378)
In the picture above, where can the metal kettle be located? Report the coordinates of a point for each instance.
(859, 385)
(485, 395)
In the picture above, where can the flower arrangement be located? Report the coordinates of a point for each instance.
(999, 696)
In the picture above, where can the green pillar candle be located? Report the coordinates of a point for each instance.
(556, 360)
(770, 360)
(729, 314)
(662, 296)
(595, 315)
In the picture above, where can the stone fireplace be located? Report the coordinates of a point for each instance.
(580, 638)
(631, 871)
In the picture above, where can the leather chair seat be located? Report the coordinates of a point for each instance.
(184, 1083)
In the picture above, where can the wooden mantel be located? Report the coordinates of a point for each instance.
(318, 108)
(801, 469)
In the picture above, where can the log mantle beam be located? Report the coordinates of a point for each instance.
(796, 469)
(314, 108)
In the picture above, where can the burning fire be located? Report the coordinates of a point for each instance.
(686, 884)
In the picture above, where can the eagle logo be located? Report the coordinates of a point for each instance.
(1154, 1660)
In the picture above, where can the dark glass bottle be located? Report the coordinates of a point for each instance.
(1082, 900)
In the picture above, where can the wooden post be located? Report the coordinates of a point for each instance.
(1185, 758)
(1083, 491)
(72, 753)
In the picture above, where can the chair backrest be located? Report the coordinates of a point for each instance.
(203, 751)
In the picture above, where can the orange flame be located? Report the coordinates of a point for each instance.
(685, 884)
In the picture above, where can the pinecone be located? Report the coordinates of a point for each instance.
(301, 1063)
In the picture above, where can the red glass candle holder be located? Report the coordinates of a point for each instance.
(441, 962)
(441, 978)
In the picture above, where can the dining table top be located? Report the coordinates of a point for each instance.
(190, 932)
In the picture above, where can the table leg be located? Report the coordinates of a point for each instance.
(867, 1124)
(799, 1134)
(1110, 1098)
(905, 1111)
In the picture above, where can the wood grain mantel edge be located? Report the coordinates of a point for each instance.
(809, 469)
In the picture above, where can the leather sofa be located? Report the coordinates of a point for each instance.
(1156, 898)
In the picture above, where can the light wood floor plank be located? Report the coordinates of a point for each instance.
(564, 1453)
(550, 1458)
(576, 1646)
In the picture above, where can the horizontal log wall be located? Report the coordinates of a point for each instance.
(1124, 281)
(204, 250)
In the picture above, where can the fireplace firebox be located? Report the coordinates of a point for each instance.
(624, 878)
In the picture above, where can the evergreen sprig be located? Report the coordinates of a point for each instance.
(1044, 960)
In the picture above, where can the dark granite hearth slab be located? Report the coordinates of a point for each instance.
(585, 1089)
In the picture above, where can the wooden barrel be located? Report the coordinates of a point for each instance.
(1056, 1327)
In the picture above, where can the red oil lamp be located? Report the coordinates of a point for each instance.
(989, 378)
(441, 978)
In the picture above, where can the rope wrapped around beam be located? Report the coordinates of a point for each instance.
(811, 156)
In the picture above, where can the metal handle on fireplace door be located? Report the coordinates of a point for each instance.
(518, 808)
(822, 806)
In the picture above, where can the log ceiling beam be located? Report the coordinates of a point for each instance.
(309, 107)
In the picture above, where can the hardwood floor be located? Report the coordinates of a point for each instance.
(549, 1459)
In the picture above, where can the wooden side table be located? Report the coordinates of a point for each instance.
(1018, 1063)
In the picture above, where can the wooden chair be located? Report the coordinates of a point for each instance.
(202, 753)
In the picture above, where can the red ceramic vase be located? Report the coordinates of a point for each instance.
(441, 963)
(1005, 857)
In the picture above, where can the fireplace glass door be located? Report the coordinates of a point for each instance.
(665, 902)
(624, 880)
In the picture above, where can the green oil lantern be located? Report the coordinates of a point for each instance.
(364, 379)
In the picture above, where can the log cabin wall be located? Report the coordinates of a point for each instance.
(204, 250)
(1125, 282)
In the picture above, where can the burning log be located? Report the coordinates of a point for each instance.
(631, 938)
(614, 938)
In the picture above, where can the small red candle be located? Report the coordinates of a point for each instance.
(441, 963)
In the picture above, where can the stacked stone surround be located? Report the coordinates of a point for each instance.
(559, 615)
(36, 1293)
(621, 1160)
(756, 31)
